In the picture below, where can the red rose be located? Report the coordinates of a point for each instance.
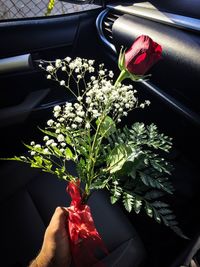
(142, 55)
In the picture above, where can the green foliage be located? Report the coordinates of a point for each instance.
(117, 157)
(141, 174)
(107, 126)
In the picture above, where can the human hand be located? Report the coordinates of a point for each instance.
(55, 250)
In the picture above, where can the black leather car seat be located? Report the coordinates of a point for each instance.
(28, 200)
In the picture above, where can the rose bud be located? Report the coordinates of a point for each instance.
(142, 55)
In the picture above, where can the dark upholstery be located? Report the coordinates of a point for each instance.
(28, 200)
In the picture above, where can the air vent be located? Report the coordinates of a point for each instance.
(104, 25)
(108, 22)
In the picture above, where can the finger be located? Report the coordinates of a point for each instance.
(59, 216)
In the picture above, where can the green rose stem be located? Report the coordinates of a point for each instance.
(92, 160)
(95, 148)
(123, 75)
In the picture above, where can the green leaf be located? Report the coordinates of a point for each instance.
(36, 162)
(107, 127)
(121, 59)
(57, 151)
(154, 194)
(155, 183)
(50, 133)
(68, 140)
(149, 210)
(128, 201)
(118, 157)
(60, 172)
(160, 204)
(68, 153)
(100, 183)
(156, 216)
(15, 158)
(116, 192)
(137, 204)
(47, 164)
(38, 159)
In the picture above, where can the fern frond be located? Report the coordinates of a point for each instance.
(128, 201)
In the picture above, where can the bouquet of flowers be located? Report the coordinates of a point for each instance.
(124, 160)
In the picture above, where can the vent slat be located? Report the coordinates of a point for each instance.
(111, 19)
(107, 25)
(108, 29)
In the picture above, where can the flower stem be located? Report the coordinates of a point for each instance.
(123, 75)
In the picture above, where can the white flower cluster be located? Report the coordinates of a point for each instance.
(99, 98)
(79, 66)
(103, 96)
(69, 117)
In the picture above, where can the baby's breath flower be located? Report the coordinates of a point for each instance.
(79, 98)
(49, 142)
(142, 105)
(60, 138)
(61, 119)
(127, 105)
(50, 122)
(88, 100)
(80, 113)
(38, 146)
(147, 102)
(54, 144)
(33, 153)
(50, 68)
(57, 131)
(68, 59)
(87, 125)
(63, 144)
(102, 72)
(74, 126)
(56, 114)
(58, 63)
(78, 119)
(46, 138)
(111, 74)
(49, 77)
(90, 62)
(91, 69)
(57, 108)
(46, 151)
(62, 83)
(64, 68)
(71, 115)
(72, 65)
(32, 143)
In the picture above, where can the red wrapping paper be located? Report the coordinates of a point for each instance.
(84, 237)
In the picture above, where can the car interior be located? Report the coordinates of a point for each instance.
(29, 196)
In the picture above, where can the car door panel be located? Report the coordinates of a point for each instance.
(43, 38)
(26, 96)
